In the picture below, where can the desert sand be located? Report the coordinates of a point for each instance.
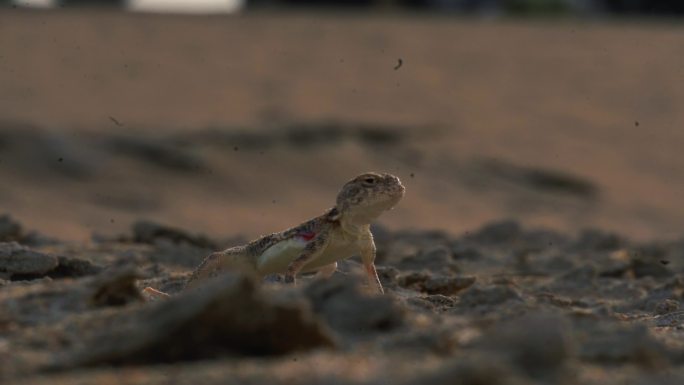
(233, 124)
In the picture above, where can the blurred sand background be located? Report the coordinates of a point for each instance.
(248, 124)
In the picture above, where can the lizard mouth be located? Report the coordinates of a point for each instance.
(394, 201)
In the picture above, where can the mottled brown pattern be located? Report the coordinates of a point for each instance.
(360, 200)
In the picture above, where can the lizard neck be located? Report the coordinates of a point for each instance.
(349, 227)
(355, 230)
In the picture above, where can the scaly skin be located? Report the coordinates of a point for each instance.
(317, 244)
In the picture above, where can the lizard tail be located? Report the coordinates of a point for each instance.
(231, 259)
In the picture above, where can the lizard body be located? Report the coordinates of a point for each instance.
(317, 244)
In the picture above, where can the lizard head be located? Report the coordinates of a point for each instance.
(365, 197)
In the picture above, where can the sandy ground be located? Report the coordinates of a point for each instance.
(502, 305)
(566, 124)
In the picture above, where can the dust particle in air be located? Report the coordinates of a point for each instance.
(400, 62)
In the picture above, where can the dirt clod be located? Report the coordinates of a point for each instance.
(19, 261)
(10, 230)
(227, 316)
(342, 304)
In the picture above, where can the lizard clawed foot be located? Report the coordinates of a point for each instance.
(152, 294)
(372, 289)
(374, 285)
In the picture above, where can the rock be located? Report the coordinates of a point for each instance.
(538, 344)
(413, 279)
(310, 135)
(67, 155)
(440, 301)
(225, 316)
(596, 240)
(489, 295)
(459, 251)
(661, 299)
(74, 267)
(497, 233)
(36, 239)
(427, 283)
(379, 135)
(666, 306)
(544, 239)
(437, 340)
(21, 263)
(17, 261)
(116, 288)
(608, 342)
(447, 285)
(169, 252)
(474, 369)
(37, 151)
(149, 232)
(47, 302)
(577, 281)
(555, 300)
(157, 152)
(10, 230)
(436, 258)
(642, 268)
(436, 302)
(340, 302)
(615, 265)
(414, 244)
(670, 319)
(583, 275)
(388, 276)
(659, 378)
(557, 264)
(541, 180)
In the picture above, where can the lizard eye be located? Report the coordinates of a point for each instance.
(369, 180)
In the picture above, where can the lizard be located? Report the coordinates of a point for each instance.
(315, 245)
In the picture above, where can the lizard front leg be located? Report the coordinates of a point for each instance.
(311, 251)
(368, 258)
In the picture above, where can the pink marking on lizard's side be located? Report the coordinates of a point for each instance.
(307, 236)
